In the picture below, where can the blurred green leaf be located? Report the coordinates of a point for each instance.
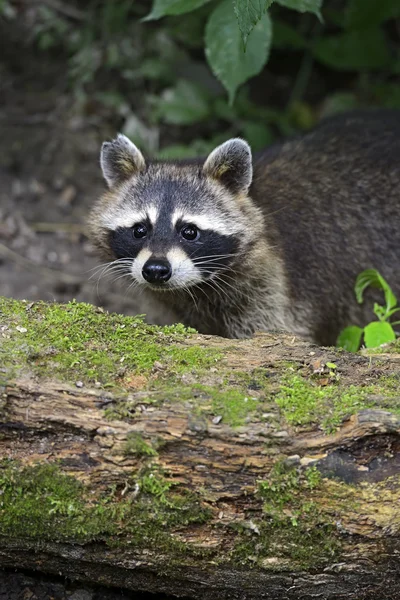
(301, 115)
(257, 134)
(361, 14)
(378, 333)
(339, 102)
(162, 8)
(334, 16)
(371, 277)
(350, 338)
(183, 104)
(353, 50)
(387, 94)
(313, 6)
(7, 10)
(189, 28)
(198, 147)
(249, 13)
(224, 47)
(286, 36)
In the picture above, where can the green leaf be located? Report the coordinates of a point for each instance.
(313, 6)
(162, 8)
(183, 104)
(371, 277)
(225, 51)
(350, 338)
(380, 311)
(378, 333)
(249, 13)
(361, 14)
(353, 50)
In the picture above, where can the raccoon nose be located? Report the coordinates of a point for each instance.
(157, 270)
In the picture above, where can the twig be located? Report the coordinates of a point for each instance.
(25, 262)
(54, 227)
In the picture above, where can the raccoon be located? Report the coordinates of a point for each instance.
(234, 244)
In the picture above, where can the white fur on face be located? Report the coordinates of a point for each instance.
(203, 221)
(128, 216)
(138, 264)
(113, 219)
(184, 272)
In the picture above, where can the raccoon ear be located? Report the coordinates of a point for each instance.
(231, 164)
(120, 159)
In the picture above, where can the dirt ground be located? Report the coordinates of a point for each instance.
(49, 178)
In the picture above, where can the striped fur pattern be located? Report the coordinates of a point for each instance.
(234, 244)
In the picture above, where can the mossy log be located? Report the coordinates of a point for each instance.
(157, 459)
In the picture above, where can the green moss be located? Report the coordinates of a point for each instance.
(304, 402)
(284, 483)
(80, 342)
(391, 348)
(233, 405)
(293, 526)
(136, 445)
(299, 520)
(42, 503)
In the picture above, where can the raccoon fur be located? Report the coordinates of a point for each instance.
(235, 245)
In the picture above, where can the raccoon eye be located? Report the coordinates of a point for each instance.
(190, 233)
(139, 230)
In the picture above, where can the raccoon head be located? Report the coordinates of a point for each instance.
(174, 225)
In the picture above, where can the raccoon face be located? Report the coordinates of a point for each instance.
(169, 225)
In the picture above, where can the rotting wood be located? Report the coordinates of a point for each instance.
(81, 431)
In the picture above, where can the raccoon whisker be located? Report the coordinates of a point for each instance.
(222, 276)
(115, 269)
(109, 263)
(220, 266)
(203, 291)
(213, 265)
(212, 257)
(120, 277)
(121, 263)
(108, 272)
(135, 285)
(216, 255)
(243, 294)
(221, 272)
(99, 272)
(189, 291)
(110, 268)
(97, 268)
(217, 289)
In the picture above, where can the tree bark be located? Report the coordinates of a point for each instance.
(288, 510)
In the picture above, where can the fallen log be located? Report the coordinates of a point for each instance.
(156, 459)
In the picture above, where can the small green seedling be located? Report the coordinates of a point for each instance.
(377, 332)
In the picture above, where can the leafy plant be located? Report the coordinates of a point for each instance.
(377, 332)
(238, 34)
(185, 75)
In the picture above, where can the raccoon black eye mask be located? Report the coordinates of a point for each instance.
(236, 244)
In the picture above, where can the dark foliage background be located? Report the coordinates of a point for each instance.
(149, 66)
(172, 75)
